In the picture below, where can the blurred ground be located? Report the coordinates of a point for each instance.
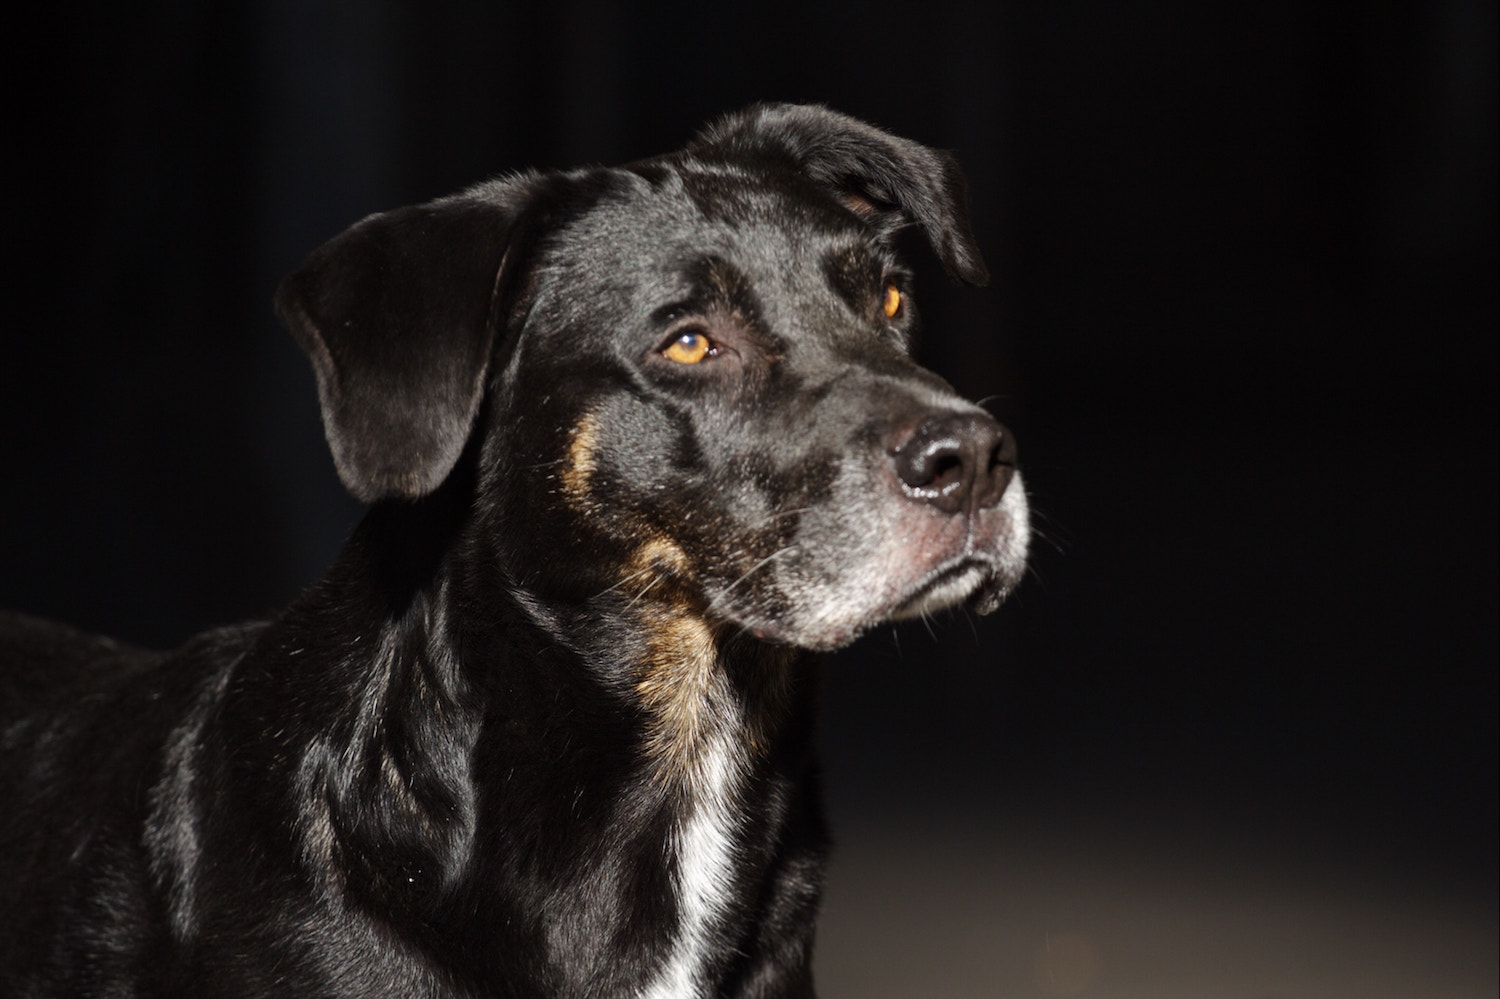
(920, 907)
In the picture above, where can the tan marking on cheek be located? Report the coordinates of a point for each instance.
(680, 680)
(657, 557)
(578, 471)
(675, 685)
(659, 569)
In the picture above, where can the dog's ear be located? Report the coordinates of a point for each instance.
(399, 315)
(887, 179)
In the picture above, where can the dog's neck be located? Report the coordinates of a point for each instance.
(626, 724)
(693, 682)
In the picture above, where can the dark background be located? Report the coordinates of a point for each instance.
(1243, 322)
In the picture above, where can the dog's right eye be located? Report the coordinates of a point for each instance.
(690, 348)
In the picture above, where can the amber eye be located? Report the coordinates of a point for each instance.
(690, 348)
(892, 303)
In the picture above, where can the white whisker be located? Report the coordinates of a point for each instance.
(644, 590)
(713, 605)
(633, 576)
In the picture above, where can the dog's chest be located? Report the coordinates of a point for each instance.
(706, 856)
(662, 905)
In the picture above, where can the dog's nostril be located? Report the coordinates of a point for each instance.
(947, 470)
(957, 462)
(930, 462)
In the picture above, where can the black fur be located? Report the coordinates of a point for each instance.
(541, 730)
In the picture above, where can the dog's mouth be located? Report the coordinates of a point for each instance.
(948, 585)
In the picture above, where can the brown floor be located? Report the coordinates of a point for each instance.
(915, 913)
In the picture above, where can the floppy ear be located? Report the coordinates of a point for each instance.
(399, 316)
(875, 173)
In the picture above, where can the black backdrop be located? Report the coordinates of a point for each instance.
(1243, 321)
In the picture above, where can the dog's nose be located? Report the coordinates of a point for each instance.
(957, 461)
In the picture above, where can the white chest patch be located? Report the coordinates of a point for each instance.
(704, 847)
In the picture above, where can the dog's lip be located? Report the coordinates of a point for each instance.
(950, 583)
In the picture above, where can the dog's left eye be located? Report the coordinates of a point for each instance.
(690, 348)
(892, 303)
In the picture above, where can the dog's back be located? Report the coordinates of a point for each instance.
(60, 692)
(86, 726)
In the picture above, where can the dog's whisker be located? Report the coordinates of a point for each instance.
(795, 512)
(1053, 543)
(714, 604)
(973, 625)
(644, 590)
(625, 581)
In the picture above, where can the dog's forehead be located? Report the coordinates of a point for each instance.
(649, 234)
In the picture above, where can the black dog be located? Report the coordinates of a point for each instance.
(632, 438)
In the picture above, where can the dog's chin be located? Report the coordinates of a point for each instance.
(948, 586)
(981, 585)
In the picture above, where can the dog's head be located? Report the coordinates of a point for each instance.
(687, 378)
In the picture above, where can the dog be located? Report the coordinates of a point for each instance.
(633, 439)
